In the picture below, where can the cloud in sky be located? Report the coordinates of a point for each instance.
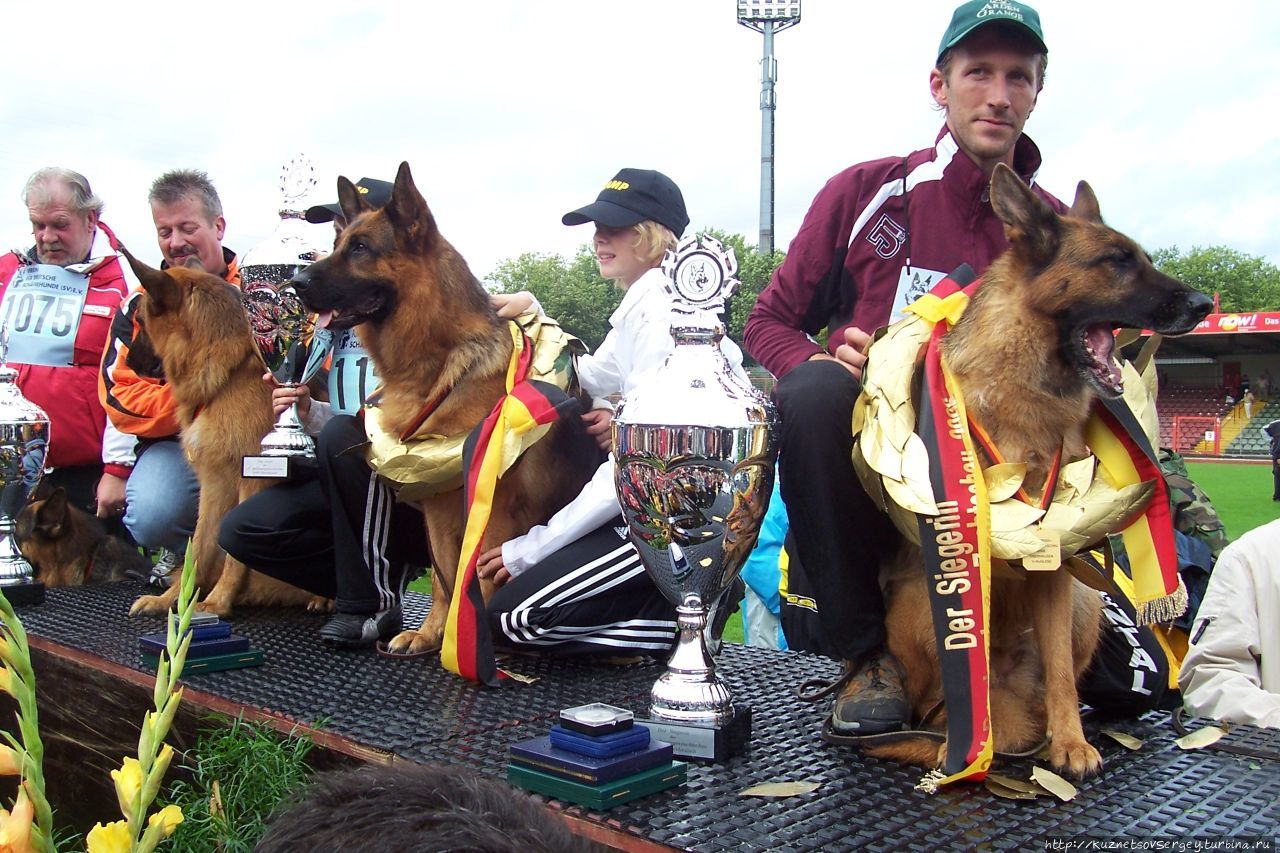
(511, 113)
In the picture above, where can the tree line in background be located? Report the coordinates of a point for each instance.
(573, 292)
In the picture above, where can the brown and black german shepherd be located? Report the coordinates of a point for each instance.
(1030, 354)
(197, 325)
(429, 327)
(68, 547)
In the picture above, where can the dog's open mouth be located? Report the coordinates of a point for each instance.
(1098, 355)
(337, 319)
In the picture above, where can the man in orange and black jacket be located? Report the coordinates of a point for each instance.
(162, 494)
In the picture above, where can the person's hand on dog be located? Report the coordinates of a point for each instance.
(511, 305)
(110, 496)
(599, 424)
(851, 355)
(491, 567)
(284, 396)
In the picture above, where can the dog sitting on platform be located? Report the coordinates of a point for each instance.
(69, 547)
(1031, 354)
(443, 356)
(198, 327)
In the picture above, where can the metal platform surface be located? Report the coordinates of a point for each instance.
(416, 710)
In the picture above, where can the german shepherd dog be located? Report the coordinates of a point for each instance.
(198, 327)
(433, 335)
(68, 547)
(1031, 353)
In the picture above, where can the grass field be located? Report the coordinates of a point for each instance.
(1240, 493)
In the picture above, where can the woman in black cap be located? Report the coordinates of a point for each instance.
(576, 584)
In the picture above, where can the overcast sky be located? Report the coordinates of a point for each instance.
(512, 113)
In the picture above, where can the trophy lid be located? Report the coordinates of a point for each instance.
(701, 274)
(696, 385)
(292, 244)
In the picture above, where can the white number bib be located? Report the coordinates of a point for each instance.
(41, 308)
(913, 282)
(351, 375)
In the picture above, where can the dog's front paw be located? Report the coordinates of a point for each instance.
(216, 606)
(319, 604)
(149, 605)
(412, 643)
(1077, 757)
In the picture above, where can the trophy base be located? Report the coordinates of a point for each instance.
(275, 467)
(28, 592)
(705, 742)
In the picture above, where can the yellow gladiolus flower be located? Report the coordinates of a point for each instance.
(112, 838)
(128, 781)
(169, 816)
(6, 680)
(15, 826)
(10, 761)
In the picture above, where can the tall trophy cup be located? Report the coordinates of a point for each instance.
(281, 325)
(694, 448)
(24, 439)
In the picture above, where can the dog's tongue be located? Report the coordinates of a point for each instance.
(323, 319)
(1100, 341)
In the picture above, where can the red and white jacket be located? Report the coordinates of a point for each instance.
(69, 395)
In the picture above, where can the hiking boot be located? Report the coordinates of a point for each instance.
(872, 701)
(727, 605)
(359, 630)
(162, 571)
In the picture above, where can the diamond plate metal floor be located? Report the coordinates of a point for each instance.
(416, 710)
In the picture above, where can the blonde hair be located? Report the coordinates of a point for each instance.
(651, 242)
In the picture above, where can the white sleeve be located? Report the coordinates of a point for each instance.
(318, 415)
(599, 372)
(117, 446)
(594, 505)
(1220, 676)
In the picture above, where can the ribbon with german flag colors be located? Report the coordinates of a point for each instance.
(1126, 456)
(956, 549)
(529, 404)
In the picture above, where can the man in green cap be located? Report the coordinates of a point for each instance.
(877, 236)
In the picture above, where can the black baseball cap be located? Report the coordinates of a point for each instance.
(631, 197)
(374, 191)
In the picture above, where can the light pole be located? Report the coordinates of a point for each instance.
(767, 17)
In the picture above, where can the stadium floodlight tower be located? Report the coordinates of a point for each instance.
(767, 17)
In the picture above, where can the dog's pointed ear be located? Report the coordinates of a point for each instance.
(163, 289)
(350, 199)
(52, 513)
(408, 209)
(1030, 224)
(1086, 205)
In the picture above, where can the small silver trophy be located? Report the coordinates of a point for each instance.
(24, 440)
(694, 447)
(281, 325)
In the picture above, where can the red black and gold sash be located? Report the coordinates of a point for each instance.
(956, 549)
(467, 647)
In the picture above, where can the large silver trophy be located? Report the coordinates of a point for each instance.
(24, 439)
(281, 325)
(694, 447)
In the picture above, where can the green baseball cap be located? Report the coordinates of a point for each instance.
(976, 13)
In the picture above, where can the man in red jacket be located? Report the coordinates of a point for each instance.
(58, 319)
(878, 235)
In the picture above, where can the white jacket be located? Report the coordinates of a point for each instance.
(638, 343)
(1232, 669)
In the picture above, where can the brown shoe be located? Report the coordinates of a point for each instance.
(872, 701)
